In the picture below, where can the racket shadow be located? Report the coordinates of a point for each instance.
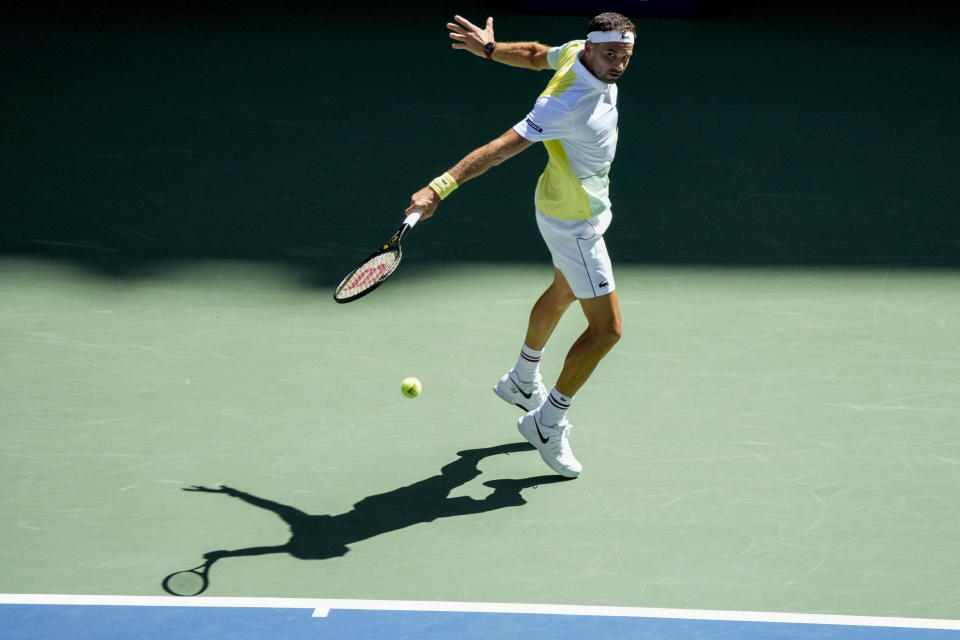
(319, 537)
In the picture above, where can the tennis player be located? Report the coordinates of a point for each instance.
(575, 118)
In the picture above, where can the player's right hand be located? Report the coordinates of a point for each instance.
(426, 201)
(469, 36)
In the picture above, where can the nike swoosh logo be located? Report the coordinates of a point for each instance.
(525, 395)
(537, 425)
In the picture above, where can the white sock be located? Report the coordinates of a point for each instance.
(554, 410)
(528, 364)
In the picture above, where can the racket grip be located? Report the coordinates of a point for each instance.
(413, 218)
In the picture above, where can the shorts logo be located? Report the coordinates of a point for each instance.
(603, 283)
(534, 125)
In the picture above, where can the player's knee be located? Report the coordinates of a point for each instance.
(608, 333)
(614, 332)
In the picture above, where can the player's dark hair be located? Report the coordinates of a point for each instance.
(611, 21)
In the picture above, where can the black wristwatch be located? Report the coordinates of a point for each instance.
(488, 49)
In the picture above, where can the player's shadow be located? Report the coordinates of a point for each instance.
(316, 537)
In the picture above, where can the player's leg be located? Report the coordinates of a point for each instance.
(547, 427)
(548, 310)
(579, 251)
(603, 331)
(522, 385)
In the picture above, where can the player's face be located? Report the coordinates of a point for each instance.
(607, 60)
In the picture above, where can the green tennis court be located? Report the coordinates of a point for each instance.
(776, 431)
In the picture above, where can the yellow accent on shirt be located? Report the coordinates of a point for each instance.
(559, 192)
(565, 76)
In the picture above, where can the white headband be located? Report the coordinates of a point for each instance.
(626, 37)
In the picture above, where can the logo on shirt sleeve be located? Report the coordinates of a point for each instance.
(534, 125)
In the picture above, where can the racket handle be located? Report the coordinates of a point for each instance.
(413, 218)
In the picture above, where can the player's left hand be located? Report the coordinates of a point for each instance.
(469, 36)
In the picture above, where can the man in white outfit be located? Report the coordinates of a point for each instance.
(575, 117)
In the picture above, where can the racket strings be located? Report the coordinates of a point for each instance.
(368, 274)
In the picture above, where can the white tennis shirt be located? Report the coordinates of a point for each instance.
(576, 119)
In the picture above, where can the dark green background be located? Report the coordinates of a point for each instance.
(750, 135)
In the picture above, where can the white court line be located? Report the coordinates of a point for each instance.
(322, 607)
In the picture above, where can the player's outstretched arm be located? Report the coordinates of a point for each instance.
(472, 165)
(480, 42)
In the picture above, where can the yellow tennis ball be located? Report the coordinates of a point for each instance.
(411, 387)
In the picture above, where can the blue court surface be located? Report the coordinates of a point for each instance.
(105, 617)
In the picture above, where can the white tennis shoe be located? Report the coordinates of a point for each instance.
(552, 443)
(508, 388)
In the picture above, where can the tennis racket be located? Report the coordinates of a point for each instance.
(191, 582)
(373, 271)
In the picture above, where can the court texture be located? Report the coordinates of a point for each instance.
(771, 451)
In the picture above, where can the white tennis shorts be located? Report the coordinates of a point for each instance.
(578, 250)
